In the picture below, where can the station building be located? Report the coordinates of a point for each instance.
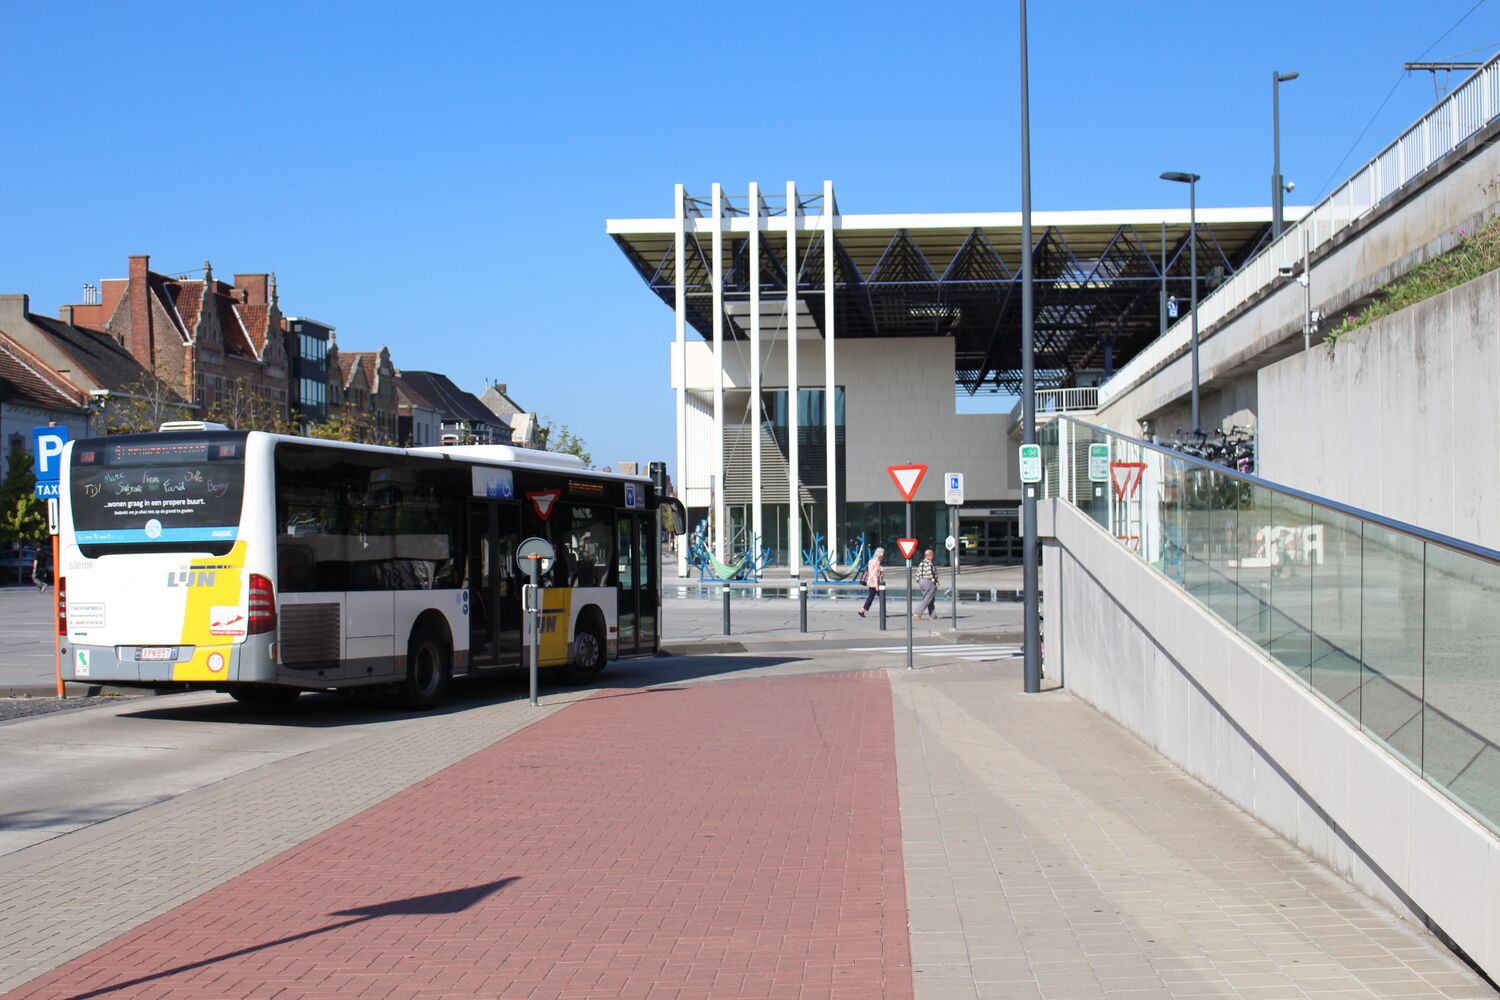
(825, 347)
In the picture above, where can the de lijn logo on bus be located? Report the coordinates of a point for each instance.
(190, 578)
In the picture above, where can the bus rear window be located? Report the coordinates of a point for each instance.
(152, 495)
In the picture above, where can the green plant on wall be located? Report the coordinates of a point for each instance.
(1477, 253)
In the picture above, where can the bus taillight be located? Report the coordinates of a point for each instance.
(262, 605)
(62, 606)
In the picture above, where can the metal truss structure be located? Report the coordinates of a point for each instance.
(1103, 279)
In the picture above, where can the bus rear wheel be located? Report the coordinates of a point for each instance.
(428, 665)
(588, 656)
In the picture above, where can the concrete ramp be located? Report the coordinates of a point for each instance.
(1129, 639)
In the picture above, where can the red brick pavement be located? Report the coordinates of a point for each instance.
(727, 840)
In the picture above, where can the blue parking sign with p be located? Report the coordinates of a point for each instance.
(47, 445)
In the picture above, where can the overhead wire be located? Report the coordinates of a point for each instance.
(1389, 94)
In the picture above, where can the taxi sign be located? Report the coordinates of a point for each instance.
(1031, 463)
(47, 445)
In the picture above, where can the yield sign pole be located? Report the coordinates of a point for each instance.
(908, 548)
(907, 479)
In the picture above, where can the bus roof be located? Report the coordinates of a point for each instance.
(491, 454)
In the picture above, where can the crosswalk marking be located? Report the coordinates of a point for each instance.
(952, 650)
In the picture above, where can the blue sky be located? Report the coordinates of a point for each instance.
(435, 178)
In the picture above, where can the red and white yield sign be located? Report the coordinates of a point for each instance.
(908, 478)
(908, 547)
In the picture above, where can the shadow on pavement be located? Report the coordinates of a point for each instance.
(326, 709)
(676, 669)
(437, 903)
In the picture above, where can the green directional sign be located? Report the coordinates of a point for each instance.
(1031, 463)
(1098, 463)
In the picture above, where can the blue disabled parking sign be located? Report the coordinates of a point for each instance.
(47, 445)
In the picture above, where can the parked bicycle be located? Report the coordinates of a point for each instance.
(1234, 448)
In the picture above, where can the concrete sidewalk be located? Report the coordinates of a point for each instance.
(719, 826)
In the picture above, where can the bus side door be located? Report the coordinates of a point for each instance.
(494, 584)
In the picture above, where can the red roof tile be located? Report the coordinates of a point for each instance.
(257, 322)
(22, 380)
(186, 296)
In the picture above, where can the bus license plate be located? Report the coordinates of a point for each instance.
(156, 652)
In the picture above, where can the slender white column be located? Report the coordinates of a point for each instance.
(679, 216)
(794, 507)
(830, 404)
(721, 525)
(757, 524)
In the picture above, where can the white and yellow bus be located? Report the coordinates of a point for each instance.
(264, 565)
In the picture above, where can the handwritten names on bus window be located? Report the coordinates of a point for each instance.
(127, 497)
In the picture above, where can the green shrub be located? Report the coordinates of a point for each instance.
(1476, 254)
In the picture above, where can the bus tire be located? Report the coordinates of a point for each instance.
(265, 697)
(429, 663)
(589, 654)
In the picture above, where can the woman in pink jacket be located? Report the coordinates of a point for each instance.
(874, 577)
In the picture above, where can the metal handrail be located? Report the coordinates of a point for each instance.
(1400, 527)
(1071, 398)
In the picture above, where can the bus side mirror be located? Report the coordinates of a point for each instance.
(673, 516)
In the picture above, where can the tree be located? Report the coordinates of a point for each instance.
(241, 407)
(144, 405)
(23, 516)
(359, 428)
(559, 438)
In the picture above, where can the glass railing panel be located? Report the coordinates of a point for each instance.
(1391, 625)
(1391, 639)
(1292, 543)
(1047, 437)
(1175, 534)
(1461, 715)
(1335, 640)
(1094, 501)
(1128, 494)
(1222, 558)
(1256, 553)
(1199, 529)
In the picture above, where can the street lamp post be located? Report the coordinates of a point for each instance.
(1278, 189)
(1031, 633)
(1191, 180)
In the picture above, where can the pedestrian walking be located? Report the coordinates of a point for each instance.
(874, 577)
(927, 580)
(41, 568)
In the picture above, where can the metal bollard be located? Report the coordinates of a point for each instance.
(882, 607)
(802, 599)
(726, 609)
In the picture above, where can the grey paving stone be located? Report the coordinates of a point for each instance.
(1124, 876)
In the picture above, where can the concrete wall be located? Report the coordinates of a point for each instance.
(1460, 193)
(1128, 641)
(898, 409)
(1401, 418)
